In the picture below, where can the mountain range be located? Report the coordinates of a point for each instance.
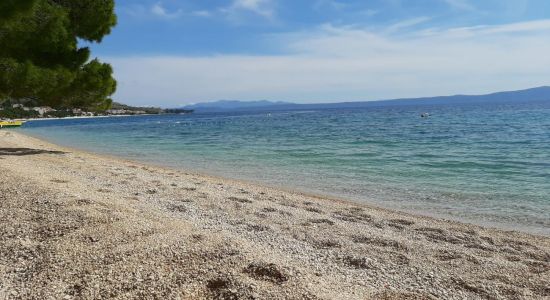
(520, 96)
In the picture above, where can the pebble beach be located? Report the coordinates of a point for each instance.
(77, 225)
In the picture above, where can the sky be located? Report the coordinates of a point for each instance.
(175, 52)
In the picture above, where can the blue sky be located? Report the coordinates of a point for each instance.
(174, 52)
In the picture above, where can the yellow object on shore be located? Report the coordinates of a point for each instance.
(6, 124)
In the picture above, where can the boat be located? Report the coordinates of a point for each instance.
(8, 124)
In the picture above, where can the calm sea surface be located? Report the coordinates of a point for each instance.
(486, 164)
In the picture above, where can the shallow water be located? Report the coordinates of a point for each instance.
(486, 164)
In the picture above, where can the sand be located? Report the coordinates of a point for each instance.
(77, 225)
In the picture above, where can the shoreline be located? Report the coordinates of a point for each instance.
(82, 117)
(365, 202)
(93, 117)
(203, 236)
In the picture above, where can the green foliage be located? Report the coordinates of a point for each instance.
(11, 8)
(59, 114)
(26, 80)
(92, 85)
(92, 19)
(146, 109)
(177, 111)
(40, 57)
(17, 113)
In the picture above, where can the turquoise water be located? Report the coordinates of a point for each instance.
(486, 164)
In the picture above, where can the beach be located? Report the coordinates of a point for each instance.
(77, 225)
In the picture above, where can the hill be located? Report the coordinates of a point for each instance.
(127, 109)
(521, 96)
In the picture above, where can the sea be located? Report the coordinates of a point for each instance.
(487, 164)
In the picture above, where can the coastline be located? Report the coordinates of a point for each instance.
(231, 237)
(367, 202)
(80, 117)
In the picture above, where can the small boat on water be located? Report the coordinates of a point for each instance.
(8, 124)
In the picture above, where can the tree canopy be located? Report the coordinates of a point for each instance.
(40, 57)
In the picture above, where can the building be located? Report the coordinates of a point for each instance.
(43, 109)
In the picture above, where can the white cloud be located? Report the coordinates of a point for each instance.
(530, 28)
(238, 11)
(157, 10)
(461, 4)
(160, 11)
(264, 8)
(407, 23)
(344, 63)
(333, 4)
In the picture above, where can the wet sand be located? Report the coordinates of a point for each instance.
(76, 225)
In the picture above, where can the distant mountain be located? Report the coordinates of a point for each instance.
(528, 95)
(537, 94)
(232, 105)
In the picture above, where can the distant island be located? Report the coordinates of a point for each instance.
(9, 110)
(520, 96)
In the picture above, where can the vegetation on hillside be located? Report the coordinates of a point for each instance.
(148, 110)
(17, 113)
(41, 60)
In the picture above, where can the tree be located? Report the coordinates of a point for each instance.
(92, 86)
(10, 8)
(40, 58)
